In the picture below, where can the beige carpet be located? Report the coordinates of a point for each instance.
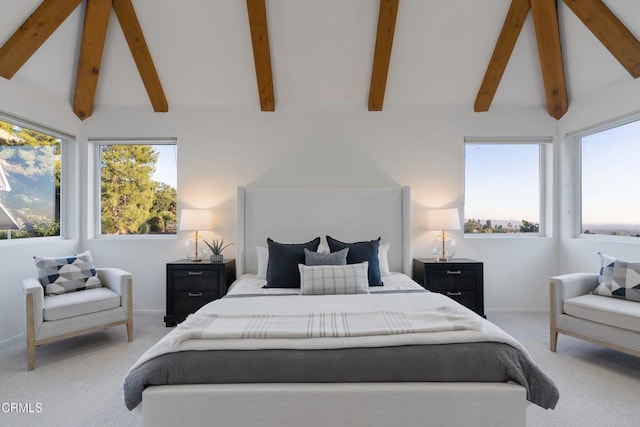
(77, 382)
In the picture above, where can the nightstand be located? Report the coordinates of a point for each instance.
(190, 285)
(461, 279)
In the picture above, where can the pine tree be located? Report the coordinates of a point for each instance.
(128, 191)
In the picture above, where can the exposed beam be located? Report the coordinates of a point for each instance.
(257, 12)
(610, 31)
(382, 54)
(139, 50)
(33, 33)
(545, 20)
(511, 28)
(94, 32)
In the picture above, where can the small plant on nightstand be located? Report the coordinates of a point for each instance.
(217, 246)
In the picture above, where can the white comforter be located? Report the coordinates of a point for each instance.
(183, 337)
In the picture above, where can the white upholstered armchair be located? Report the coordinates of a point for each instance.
(52, 318)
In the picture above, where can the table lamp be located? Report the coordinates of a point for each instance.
(195, 220)
(442, 220)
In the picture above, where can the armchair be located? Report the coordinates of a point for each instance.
(607, 321)
(52, 318)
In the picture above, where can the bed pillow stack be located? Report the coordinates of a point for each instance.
(361, 252)
(282, 269)
(334, 279)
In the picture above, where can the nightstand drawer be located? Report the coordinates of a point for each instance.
(189, 302)
(453, 279)
(466, 298)
(196, 280)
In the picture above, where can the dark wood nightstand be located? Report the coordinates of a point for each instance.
(460, 279)
(190, 285)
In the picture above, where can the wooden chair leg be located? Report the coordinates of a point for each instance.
(130, 313)
(130, 329)
(31, 335)
(553, 332)
(553, 341)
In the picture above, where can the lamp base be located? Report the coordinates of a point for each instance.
(195, 250)
(444, 248)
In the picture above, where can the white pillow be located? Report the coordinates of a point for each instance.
(383, 259)
(263, 261)
(262, 254)
(334, 279)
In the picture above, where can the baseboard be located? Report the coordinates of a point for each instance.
(516, 310)
(146, 311)
(12, 339)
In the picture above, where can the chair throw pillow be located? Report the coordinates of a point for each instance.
(60, 275)
(360, 252)
(282, 270)
(618, 278)
(334, 279)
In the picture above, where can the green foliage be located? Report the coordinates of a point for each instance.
(217, 246)
(156, 224)
(529, 227)
(475, 226)
(131, 202)
(127, 189)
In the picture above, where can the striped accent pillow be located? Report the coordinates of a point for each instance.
(334, 279)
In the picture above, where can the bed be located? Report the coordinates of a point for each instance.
(442, 373)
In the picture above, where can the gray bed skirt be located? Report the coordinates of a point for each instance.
(468, 362)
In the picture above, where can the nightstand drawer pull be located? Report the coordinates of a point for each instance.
(454, 294)
(454, 271)
(195, 273)
(195, 294)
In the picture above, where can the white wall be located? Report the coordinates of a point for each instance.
(606, 104)
(16, 257)
(221, 148)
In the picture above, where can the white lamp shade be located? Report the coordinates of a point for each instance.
(196, 219)
(443, 219)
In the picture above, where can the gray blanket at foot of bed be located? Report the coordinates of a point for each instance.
(469, 362)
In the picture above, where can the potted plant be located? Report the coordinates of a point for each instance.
(217, 246)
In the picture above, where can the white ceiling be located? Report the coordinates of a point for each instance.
(321, 52)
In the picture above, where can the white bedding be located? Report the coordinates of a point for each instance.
(183, 337)
(249, 284)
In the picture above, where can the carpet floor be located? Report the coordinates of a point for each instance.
(78, 382)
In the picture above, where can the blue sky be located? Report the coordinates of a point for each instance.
(166, 168)
(502, 182)
(610, 176)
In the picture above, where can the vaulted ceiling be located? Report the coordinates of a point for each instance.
(328, 52)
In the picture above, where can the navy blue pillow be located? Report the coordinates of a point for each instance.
(282, 270)
(360, 252)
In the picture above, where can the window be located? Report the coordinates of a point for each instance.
(504, 188)
(30, 180)
(138, 187)
(608, 166)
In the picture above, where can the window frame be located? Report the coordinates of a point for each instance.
(67, 157)
(573, 152)
(545, 184)
(97, 185)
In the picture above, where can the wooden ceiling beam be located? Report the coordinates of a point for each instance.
(382, 53)
(140, 51)
(33, 33)
(545, 20)
(94, 33)
(257, 12)
(509, 34)
(612, 33)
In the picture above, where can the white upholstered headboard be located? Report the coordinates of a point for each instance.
(296, 215)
